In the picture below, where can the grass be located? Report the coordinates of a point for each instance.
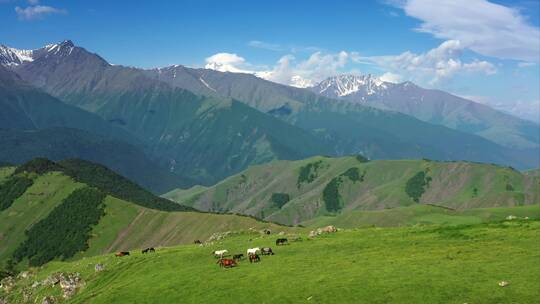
(420, 264)
(422, 214)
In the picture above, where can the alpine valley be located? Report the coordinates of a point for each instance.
(428, 190)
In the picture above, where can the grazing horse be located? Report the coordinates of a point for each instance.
(254, 258)
(197, 242)
(282, 242)
(150, 249)
(220, 253)
(267, 251)
(253, 250)
(237, 257)
(121, 253)
(226, 263)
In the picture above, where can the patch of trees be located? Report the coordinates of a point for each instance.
(331, 196)
(308, 173)
(12, 189)
(280, 199)
(354, 174)
(416, 185)
(65, 231)
(101, 177)
(361, 158)
(509, 187)
(39, 166)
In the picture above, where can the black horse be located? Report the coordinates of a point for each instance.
(147, 250)
(282, 242)
(267, 251)
(237, 257)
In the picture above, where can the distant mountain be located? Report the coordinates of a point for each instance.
(207, 138)
(35, 124)
(293, 192)
(352, 127)
(155, 106)
(433, 106)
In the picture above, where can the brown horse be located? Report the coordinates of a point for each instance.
(121, 253)
(227, 263)
(254, 258)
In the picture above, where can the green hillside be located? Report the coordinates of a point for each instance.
(421, 264)
(297, 191)
(35, 221)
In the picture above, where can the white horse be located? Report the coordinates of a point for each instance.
(220, 253)
(253, 250)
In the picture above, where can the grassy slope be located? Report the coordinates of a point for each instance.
(5, 172)
(452, 185)
(126, 226)
(419, 264)
(422, 214)
(35, 204)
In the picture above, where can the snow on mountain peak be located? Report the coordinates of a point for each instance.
(344, 85)
(12, 56)
(300, 82)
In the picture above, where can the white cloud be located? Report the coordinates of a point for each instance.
(37, 12)
(33, 2)
(440, 63)
(486, 28)
(287, 70)
(391, 77)
(227, 62)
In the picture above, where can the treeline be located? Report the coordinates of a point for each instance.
(65, 231)
(101, 177)
(12, 189)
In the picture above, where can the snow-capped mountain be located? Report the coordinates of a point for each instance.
(346, 85)
(12, 57)
(433, 106)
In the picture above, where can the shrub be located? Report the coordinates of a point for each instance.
(12, 189)
(331, 197)
(415, 186)
(361, 158)
(354, 174)
(280, 199)
(308, 173)
(65, 231)
(509, 187)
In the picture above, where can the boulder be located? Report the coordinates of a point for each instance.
(99, 267)
(47, 300)
(7, 284)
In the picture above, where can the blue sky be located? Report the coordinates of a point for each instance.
(487, 51)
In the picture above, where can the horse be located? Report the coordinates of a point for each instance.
(237, 257)
(254, 258)
(197, 242)
(150, 249)
(220, 253)
(282, 242)
(267, 251)
(226, 263)
(253, 250)
(121, 253)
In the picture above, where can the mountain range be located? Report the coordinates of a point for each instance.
(203, 125)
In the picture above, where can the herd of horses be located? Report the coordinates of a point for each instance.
(252, 253)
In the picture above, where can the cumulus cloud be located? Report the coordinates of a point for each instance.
(37, 12)
(486, 28)
(391, 77)
(288, 70)
(227, 62)
(440, 63)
